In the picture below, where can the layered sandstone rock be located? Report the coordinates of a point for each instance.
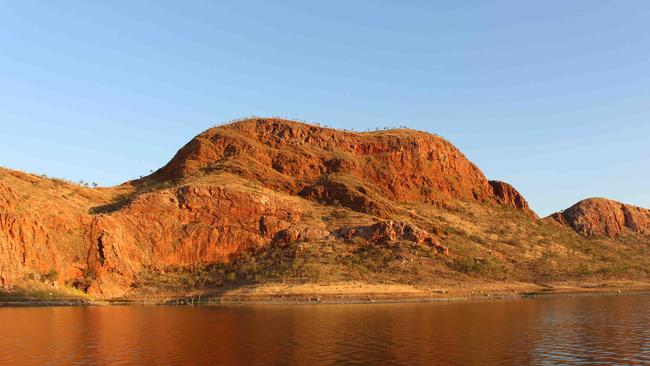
(602, 217)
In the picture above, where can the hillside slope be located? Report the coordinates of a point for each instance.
(269, 201)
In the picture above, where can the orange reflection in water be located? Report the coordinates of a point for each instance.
(577, 330)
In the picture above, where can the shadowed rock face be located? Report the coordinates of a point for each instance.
(602, 217)
(234, 188)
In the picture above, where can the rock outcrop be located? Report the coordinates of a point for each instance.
(400, 165)
(507, 195)
(391, 232)
(602, 217)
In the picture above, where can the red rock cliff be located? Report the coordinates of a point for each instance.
(401, 165)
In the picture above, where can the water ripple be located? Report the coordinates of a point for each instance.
(598, 330)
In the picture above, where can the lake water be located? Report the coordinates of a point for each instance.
(572, 330)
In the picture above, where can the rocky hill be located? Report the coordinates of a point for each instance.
(363, 171)
(269, 201)
(603, 217)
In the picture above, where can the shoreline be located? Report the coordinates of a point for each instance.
(336, 294)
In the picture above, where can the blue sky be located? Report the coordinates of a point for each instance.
(551, 96)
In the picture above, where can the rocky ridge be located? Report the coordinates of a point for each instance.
(260, 184)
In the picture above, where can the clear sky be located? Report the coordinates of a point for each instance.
(551, 96)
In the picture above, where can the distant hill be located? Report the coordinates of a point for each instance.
(603, 217)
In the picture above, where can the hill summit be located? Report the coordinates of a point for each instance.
(363, 171)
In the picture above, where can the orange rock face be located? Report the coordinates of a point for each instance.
(327, 165)
(507, 195)
(234, 188)
(186, 226)
(43, 231)
(602, 217)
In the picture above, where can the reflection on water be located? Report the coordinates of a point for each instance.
(587, 330)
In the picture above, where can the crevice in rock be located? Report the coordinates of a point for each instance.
(100, 250)
(263, 228)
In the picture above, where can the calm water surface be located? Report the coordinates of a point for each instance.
(580, 330)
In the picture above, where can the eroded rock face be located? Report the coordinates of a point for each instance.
(186, 226)
(602, 217)
(42, 231)
(346, 193)
(394, 232)
(507, 195)
(301, 233)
